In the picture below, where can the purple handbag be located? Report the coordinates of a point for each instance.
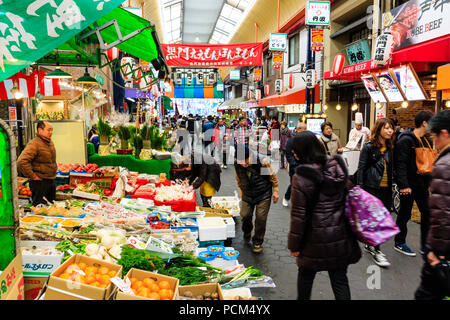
(371, 222)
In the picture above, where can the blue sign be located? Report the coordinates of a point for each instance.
(358, 52)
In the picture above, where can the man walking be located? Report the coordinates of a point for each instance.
(208, 132)
(38, 162)
(301, 126)
(221, 139)
(258, 184)
(413, 186)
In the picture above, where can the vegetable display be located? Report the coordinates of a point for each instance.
(90, 275)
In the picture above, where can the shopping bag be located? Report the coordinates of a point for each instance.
(371, 222)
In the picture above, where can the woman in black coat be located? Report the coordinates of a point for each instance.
(375, 172)
(320, 236)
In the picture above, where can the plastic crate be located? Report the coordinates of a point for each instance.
(205, 244)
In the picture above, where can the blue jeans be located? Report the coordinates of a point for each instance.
(287, 195)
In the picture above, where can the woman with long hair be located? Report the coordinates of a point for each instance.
(375, 172)
(320, 237)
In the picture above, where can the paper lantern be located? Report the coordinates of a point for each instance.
(338, 64)
(266, 90)
(249, 95)
(112, 53)
(291, 82)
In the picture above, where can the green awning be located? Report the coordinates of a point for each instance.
(142, 46)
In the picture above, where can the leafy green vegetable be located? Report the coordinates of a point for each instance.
(88, 229)
(69, 248)
(186, 275)
(139, 259)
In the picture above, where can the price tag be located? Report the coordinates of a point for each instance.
(124, 286)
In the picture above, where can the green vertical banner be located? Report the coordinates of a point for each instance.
(30, 29)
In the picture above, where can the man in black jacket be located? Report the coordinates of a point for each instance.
(301, 126)
(413, 186)
(258, 184)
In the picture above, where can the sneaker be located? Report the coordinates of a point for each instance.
(380, 259)
(257, 248)
(403, 248)
(369, 249)
(285, 202)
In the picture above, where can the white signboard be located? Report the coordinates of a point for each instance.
(278, 42)
(389, 87)
(318, 13)
(311, 78)
(219, 87)
(278, 85)
(313, 125)
(409, 83)
(235, 74)
(374, 90)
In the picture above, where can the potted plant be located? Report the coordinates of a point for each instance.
(124, 136)
(104, 131)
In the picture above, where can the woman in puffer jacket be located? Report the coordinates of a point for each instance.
(320, 236)
(375, 172)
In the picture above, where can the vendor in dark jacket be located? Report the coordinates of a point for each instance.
(319, 236)
(438, 241)
(413, 186)
(258, 184)
(375, 172)
(205, 174)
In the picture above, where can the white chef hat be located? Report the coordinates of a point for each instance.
(359, 118)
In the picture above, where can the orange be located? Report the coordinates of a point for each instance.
(65, 276)
(91, 270)
(154, 296)
(136, 285)
(95, 284)
(143, 292)
(82, 266)
(103, 270)
(70, 269)
(154, 287)
(103, 286)
(112, 273)
(164, 294)
(164, 284)
(104, 279)
(132, 280)
(90, 279)
(147, 282)
(170, 294)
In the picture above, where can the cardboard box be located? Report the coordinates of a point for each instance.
(61, 289)
(140, 275)
(103, 183)
(39, 265)
(11, 281)
(34, 286)
(201, 289)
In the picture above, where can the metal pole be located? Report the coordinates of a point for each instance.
(308, 66)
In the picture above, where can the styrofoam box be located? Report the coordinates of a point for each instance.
(218, 262)
(36, 265)
(211, 229)
(229, 203)
(229, 294)
(231, 227)
(86, 195)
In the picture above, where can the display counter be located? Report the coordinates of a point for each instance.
(152, 166)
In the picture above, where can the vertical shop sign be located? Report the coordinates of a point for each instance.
(384, 48)
(257, 74)
(317, 40)
(277, 60)
(358, 52)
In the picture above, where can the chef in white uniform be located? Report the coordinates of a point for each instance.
(358, 134)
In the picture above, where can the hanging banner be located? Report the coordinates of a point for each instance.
(257, 74)
(30, 29)
(317, 40)
(232, 55)
(417, 21)
(358, 52)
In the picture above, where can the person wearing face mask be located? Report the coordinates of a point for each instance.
(375, 172)
(330, 140)
(38, 162)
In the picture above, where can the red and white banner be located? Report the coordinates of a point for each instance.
(27, 85)
(200, 55)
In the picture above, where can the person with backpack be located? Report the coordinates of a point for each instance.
(437, 249)
(375, 172)
(413, 185)
(320, 236)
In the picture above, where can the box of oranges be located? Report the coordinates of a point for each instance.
(150, 286)
(83, 278)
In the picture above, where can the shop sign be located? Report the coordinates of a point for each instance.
(373, 88)
(31, 29)
(317, 40)
(277, 60)
(219, 87)
(318, 13)
(389, 86)
(12, 116)
(278, 42)
(295, 108)
(358, 52)
(384, 48)
(311, 78)
(417, 21)
(278, 86)
(257, 74)
(338, 64)
(235, 74)
(209, 55)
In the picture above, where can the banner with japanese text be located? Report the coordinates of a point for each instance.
(417, 21)
(201, 55)
(30, 29)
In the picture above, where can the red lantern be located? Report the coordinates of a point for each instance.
(250, 95)
(266, 90)
(291, 81)
(112, 53)
(338, 64)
